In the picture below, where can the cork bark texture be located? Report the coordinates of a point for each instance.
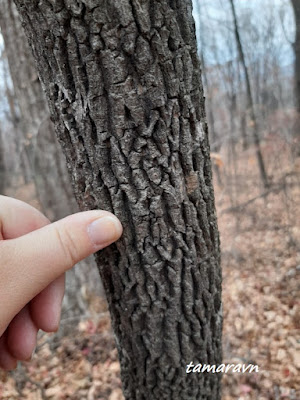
(124, 88)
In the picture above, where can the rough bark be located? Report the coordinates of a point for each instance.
(37, 143)
(250, 102)
(123, 84)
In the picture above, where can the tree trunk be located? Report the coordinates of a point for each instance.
(38, 144)
(208, 104)
(250, 104)
(34, 112)
(22, 160)
(296, 46)
(123, 84)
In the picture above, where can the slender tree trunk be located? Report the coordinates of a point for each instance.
(296, 46)
(243, 128)
(250, 104)
(124, 88)
(209, 108)
(215, 144)
(241, 110)
(18, 124)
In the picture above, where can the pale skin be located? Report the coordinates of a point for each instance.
(34, 256)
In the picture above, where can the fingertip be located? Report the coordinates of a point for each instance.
(104, 231)
(22, 336)
(45, 308)
(7, 361)
(43, 255)
(18, 218)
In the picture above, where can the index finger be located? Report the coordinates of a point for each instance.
(18, 218)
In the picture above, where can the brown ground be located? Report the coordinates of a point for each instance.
(261, 269)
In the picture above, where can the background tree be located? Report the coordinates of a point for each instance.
(124, 89)
(41, 154)
(250, 101)
(13, 116)
(53, 188)
(296, 47)
(268, 58)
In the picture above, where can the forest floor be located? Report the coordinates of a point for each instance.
(260, 238)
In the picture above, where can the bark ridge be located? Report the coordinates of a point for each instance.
(124, 88)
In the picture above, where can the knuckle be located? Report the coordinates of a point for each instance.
(67, 245)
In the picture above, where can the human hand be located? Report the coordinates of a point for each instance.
(34, 255)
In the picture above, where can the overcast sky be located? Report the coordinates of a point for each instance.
(215, 16)
(217, 21)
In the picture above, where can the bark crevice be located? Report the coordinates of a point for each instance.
(132, 92)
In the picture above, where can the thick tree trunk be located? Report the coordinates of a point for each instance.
(38, 143)
(124, 89)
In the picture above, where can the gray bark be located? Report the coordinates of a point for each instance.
(123, 84)
(21, 165)
(37, 142)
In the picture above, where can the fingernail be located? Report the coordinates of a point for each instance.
(105, 230)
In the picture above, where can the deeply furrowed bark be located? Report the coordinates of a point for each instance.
(124, 88)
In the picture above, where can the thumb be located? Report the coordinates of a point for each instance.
(31, 262)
